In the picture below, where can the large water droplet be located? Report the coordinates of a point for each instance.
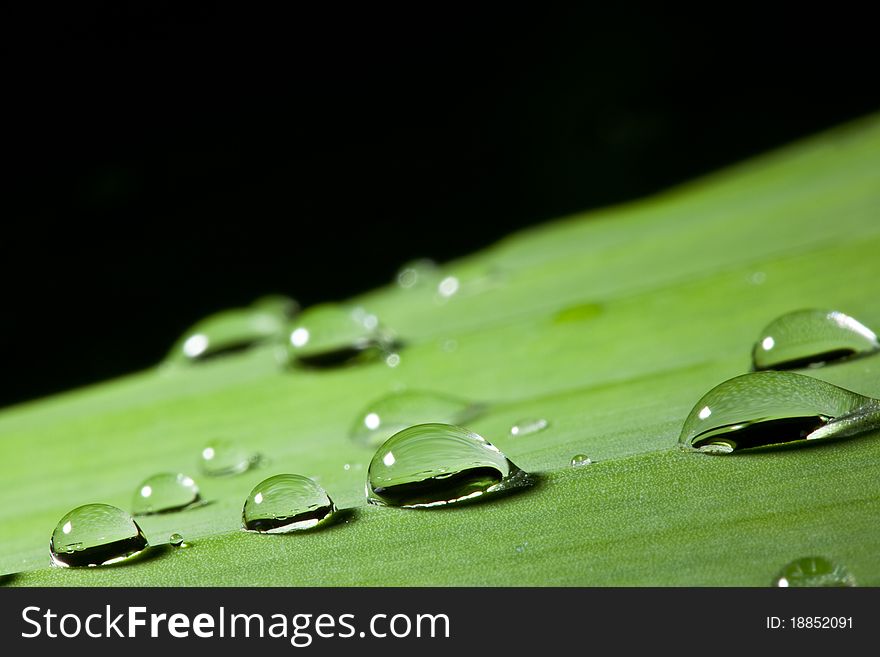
(580, 459)
(771, 408)
(810, 338)
(95, 535)
(163, 493)
(286, 503)
(813, 571)
(234, 330)
(176, 540)
(329, 334)
(222, 457)
(434, 464)
(387, 415)
(529, 426)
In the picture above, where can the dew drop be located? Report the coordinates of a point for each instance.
(811, 338)
(163, 493)
(95, 535)
(387, 415)
(529, 426)
(234, 330)
(222, 457)
(286, 503)
(429, 465)
(580, 459)
(418, 274)
(772, 408)
(329, 334)
(813, 572)
(176, 540)
(447, 287)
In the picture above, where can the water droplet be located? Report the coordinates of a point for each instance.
(222, 457)
(286, 503)
(392, 360)
(429, 465)
(580, 459)
(448, 287)
(531, 425)
(328, 334)
(771, 408)
(387, 415)
(811, 338)
(176, 540)
(814, 571)
(234, 330)
(163, 493)
(418, 274)
(449, 345)
(95, 535)
(758, 278)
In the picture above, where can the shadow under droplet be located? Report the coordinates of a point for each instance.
(147, 554)
(338, 518)
(796, 445)
(527, 482)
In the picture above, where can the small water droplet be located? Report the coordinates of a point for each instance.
(163, 493)
(223, 457)
(528, 426)
(771, 408)
(329, 334)
(176, 540)
(758, 278)
(234, 330)
(95, 535)
(811, 338)
(813, 571)
(448, 287)
(392, 360)
(521, 548)
(449, 345)
(387, 415)
(580, 459)
(418, 273)
(286, 503)
(429, 465)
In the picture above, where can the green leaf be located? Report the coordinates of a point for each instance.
(610, 325)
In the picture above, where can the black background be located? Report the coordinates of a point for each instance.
(161, 162)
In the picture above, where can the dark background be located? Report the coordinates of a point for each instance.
(162, 162)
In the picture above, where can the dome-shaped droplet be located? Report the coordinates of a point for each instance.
(328, 334)
(95, 535)
(433, 464)
(528, 426)
(418, 274)
(176, 540)
(770, 408)
(286, 503)
(223, 457)
(810, 338)
(387, 415)
(163, 493)
(234, 330)
(579, 460)
(813, 571)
